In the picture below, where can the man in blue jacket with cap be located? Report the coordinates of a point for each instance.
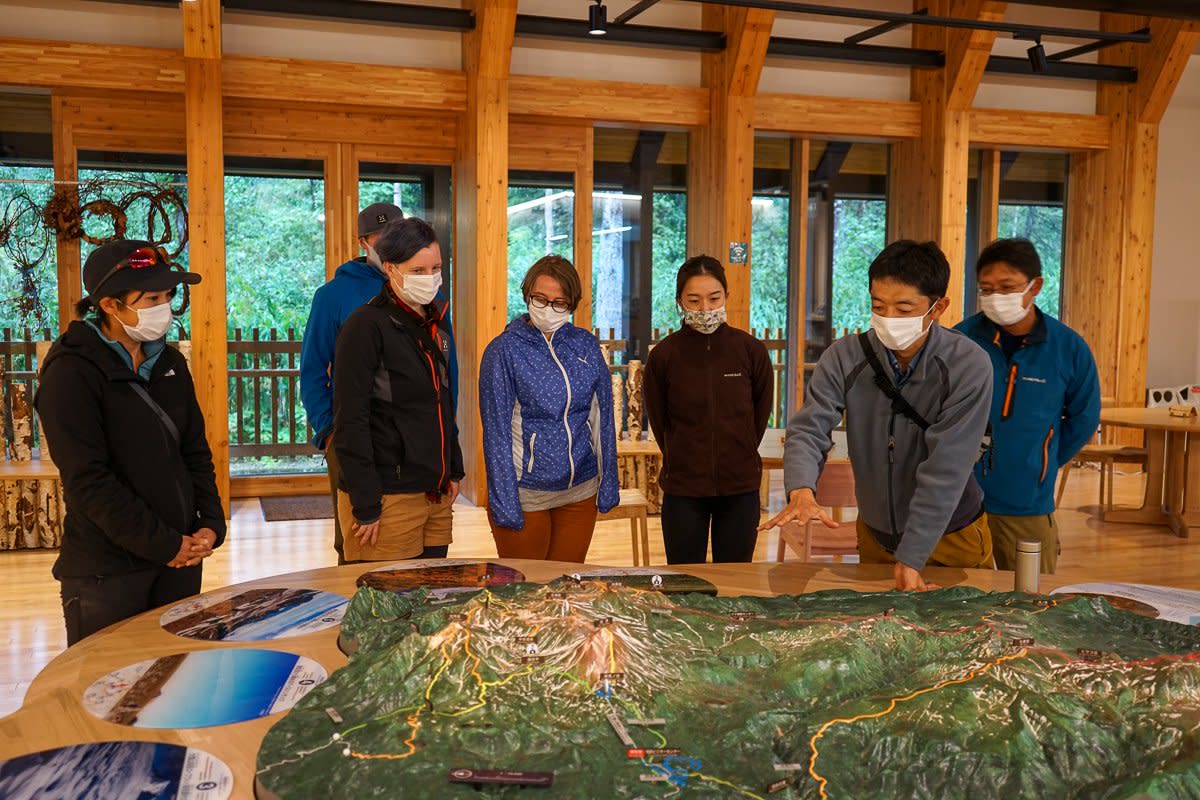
(1045, 404)
(354, 283)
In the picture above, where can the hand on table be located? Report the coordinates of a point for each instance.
(910, 580)
(801, 508)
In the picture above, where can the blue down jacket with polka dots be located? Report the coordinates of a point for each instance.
(547, 411)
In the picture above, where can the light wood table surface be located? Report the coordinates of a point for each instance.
(1173, 468)
(53, 715)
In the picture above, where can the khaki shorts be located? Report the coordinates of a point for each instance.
(409, 524)
(969, 547)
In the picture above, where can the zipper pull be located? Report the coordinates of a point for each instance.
(891, 449)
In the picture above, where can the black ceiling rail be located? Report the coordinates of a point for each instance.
(1090, 47)
(648, 35)
(906, 17)
(862, 53)
(634, 10)
(403, 14)
(1178, 9)
(880, 29)
(1009, 65)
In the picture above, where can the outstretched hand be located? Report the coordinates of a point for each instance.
(910, 580)
(802, 508)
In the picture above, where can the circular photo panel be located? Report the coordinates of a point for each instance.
(202, 689)
(144, 770)
(255, 615)
(658, 580)
(440, 577)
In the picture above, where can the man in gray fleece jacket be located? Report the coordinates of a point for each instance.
(918, 502)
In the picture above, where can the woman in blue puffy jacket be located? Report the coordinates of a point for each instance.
(549, 441)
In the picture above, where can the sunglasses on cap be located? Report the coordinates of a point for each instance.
(141, 258)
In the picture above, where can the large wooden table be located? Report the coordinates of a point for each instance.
(1172, 495)
(53, 716)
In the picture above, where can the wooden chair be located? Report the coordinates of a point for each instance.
(634, 507)
(1106, 456)
(835, 490)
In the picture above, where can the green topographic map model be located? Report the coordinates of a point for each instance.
(612, 691)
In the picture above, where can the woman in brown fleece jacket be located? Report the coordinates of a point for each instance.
(708, 390)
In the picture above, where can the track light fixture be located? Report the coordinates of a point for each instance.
(1037, 56)
(597, 19)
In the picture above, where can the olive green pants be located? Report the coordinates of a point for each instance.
(1007, 530)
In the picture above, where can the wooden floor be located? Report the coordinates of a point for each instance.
(30, 613)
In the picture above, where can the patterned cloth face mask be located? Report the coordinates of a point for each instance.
(704, 321)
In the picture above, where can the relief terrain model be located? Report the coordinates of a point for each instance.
(582, 689)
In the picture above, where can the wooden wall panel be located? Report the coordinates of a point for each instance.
(341, 83)
(584, 225)
(54, 64)
(1026, 129)
(837, 117)
(645, 104)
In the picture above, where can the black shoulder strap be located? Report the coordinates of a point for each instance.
(163, 416)
(899, 404)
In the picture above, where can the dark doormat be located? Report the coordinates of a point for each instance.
(305, 506)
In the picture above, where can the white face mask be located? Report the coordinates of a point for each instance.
(705, 321)
(153, 323)
(1006, 309)
(547, 320)
(898, 333)
(417, 290)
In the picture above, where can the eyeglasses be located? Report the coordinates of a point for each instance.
(141, 258)
(538, 301)
(982, 292)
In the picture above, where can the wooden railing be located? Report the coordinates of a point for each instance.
(773, 338)
(266, 417)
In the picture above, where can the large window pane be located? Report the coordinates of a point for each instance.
(275, 257)
(639, 235)
(28, 273)
(541, 221)
(847, 229)
(1032, 206)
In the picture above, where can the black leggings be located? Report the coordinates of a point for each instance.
(685, 525)
(92, 603)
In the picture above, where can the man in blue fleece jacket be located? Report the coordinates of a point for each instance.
(918, 501)
(1047, 398)
(354, 283)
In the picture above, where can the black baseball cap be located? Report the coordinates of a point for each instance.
(130, 265)
(376, 216)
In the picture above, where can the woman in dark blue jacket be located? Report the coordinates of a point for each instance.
(548, 433)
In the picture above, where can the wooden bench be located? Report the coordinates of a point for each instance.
(634, 507)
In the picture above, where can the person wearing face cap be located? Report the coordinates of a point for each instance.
(549, 439)
(1046, 404)
(393, 409)
(119, 412)
(915, 397)
(708, 390)
(355, 282)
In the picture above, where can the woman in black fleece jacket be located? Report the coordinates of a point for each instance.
(120, 416)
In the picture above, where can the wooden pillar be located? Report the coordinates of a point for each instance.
(798, 267)
(927, 187)
(721, 154)
(66, 169)
(206, 219)
(341, 207)
(989, 198)
(1110, 218)
(584, 185)
(481, 213)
